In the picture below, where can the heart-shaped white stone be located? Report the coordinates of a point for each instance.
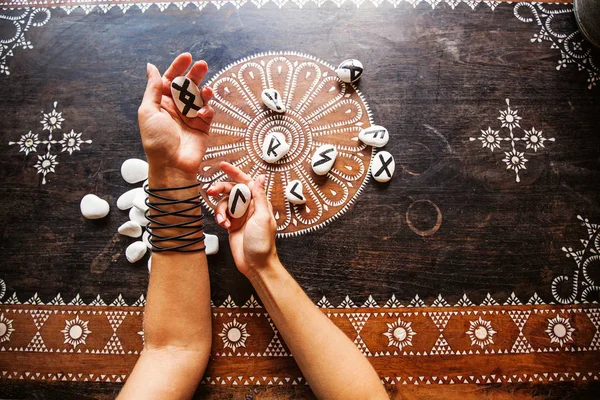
(274, 147)
(93, 207)
(349, 70)
(135, 251)
(375, 135)
(323, 159)
(134, 170)
(125, 201)
(131, 229)
(272, 100)
(239, 200)
(211, 244)
(294, 192)
(187, 96)
(383, 166)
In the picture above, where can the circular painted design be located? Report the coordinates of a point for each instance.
(234, 334)
(481, 333)
(321, 109)
(400, 333)
(560, 330)
(76, 332)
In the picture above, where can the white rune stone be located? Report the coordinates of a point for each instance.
(239, 200)
(211, 243)
(375, 135)
(135, 251)
(323, 159)
(139, 201)
(125, 201)
(187, 96)
(274, 147)
(383, 166)
(145, 237)
(138, 216)
(93, 207)
(134, 170)
(131, 229)
(272, 100)
(293, 192)
(349, 70)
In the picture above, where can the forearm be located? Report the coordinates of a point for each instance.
(178, 303)
(330, 362)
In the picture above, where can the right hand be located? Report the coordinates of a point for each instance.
(251, 237)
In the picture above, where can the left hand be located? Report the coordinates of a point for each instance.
(174, 144)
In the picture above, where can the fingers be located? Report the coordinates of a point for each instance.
(236, 174)
(206, 113)
(196, 74)
(259, 196)
(221, 214)
(178, 67)
(220, 188)
(153, 93)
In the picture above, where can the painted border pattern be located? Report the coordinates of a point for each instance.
(101, 343)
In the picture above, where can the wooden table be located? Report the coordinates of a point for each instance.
(473, 273)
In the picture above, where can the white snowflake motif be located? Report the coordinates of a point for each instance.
(509, 118)
(534, 139)
(490, 139)
(28, 143)
(515, 159)
(400, 334)
(46, 164)
(76, 332)
(52, 120)
(6, 328)
(480, 332)
(70, 142)
(560, 330)
(234, 335)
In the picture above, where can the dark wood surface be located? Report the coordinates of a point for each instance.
(433, 77)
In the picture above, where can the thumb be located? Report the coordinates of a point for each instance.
(261, 203)
(153, 93)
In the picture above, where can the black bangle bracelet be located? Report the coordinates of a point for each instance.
(190, 225)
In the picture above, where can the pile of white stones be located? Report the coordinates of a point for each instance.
(134, 171)
(275, 147)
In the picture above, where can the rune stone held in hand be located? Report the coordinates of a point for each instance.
(349, 70)
(274, 147)
(93, 207)
(134, 170)
(272, 100)
(187, 96)
(239, 200)
(375, 135)
(323, 159)
(294, 193)
(383, 166)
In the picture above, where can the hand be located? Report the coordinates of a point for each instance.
(174, 144)
(251, 237)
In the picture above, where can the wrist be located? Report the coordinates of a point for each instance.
(167, 177)
(269, 270)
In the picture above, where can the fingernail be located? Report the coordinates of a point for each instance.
(263, 179)
(220, 219)
(227, 224)
(148, 68)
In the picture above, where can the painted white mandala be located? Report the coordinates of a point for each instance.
(76, 332)
(6, 328)
(515, 160)
(560, 330)
(234, 335)
(481, 332)
(509, 118)
(400, 334)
